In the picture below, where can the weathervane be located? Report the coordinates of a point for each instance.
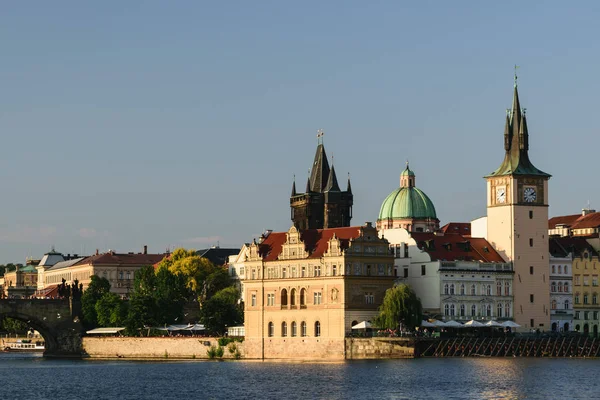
(320, 134)
(516, 77)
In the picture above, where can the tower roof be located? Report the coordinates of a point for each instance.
(516, 143)
(320, 170)
(332, 183)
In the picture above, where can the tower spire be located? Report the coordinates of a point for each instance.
(320, 168)
(349, 187)
(294, 186)
(332, 183)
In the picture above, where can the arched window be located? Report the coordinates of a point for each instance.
(452, 310)
(553, 287)
(462, 310)
(452, 288)
(284, 297)
(317, 329)
(554, 269)
(303, 328)
(473, 310)
(488, 310)
(489, 290)
(594, 298)
(271, 330)
(498, 288)
(446, 310)
(302, 297)
(566, 270)
(560, 269)
(446, 289)
(506, 288)
(553, 304)
(284, 329)
(473, 290)
(293, 297)
(499, 310)
(566, 304)
(585, 298)
(462, 289)
(576, 298)
(559, 286)
(507, 310)
(294, 330)
(566, 287)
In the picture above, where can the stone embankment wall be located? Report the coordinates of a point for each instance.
(379, 348)
(154, 347)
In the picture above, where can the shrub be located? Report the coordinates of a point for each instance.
(224, 341)
(219, 352)
(237, 355)
(211, 352)
(232, 348)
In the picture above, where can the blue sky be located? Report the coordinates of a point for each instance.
(182, 123)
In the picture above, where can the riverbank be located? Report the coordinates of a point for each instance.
(158, 348)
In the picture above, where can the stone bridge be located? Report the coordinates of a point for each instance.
(58, 321)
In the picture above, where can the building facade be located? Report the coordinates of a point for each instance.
(586, 268)
(304, 290)
(456, 277)
(517, 221)
(323, 204)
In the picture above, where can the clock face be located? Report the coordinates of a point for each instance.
(529, 194)
(501, 195)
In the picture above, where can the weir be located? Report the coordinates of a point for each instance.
(566, 346)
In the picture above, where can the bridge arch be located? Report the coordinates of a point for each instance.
(53, 319)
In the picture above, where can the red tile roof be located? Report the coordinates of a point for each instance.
(591, 220)
(463, 228)
(562, 246)
(455, 247)
(122, 259)
(315, 241)
(567, 220)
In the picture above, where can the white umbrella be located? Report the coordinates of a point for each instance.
(473, 324)
(439, 323)
(453, 324)
(427, 324)
(362, 325)
(510, 324)
(492, 323)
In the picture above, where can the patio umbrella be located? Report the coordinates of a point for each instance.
(473, 324)
(362, 325)
(427, 324)
(510, 324)
(453, 324)
(493, 324)
(439, 323)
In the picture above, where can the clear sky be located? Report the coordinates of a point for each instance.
(182, 123)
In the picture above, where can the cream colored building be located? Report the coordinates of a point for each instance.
(304, 290)
(586, 304)
(517, 221)
(118, 268)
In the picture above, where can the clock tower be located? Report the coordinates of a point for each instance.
(517, 218)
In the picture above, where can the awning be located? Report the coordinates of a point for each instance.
(427, 324)
(190, 327)
(510, 324)
(492, 323)
(473, 324)
(105, 330)
(362, 325)
(453, 324)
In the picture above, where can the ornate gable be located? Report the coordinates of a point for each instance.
(294, 247)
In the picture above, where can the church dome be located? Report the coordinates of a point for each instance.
(407, 202)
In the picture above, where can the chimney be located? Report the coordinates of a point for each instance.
(97, 252)
(145, 249)
(587, 211)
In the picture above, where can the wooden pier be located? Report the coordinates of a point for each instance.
(567, 346)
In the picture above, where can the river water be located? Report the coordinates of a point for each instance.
(29, 376)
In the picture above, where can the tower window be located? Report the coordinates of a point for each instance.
(422, 270)
(530, 242)
(531, 298)
(531, 270)
(530, 214)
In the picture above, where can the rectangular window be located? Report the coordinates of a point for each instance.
(531, 270)
(423, 271)
(595, 315)
(406, 272)
(577, 314)
(594, 280)
(530, 242)
(242, 271)
(284, 273)
(270, 299)
(357, 269)
(317, 270)
(531, 322)
(317, 298)
(531, 298)
(405, 250)
(334, 270)
(369, 298)
(253, 299)
(586, 280)
(585, 315)
(530, 214)
(303, 272)
(577, 280)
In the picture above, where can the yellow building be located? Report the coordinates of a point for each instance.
(304, 290)
(586, 268)
(517, 221)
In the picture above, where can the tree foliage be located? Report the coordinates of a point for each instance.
(97, 288)
(400, 307)
(12, 325)
(222, 310)
(111, 310)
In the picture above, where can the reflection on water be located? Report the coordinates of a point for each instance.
(29, 376)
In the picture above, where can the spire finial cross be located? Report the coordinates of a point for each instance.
(320, 134)
(516, 77)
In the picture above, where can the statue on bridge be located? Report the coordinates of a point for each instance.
(73, 291)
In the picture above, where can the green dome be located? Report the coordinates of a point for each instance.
(407, 202)
(407, 172)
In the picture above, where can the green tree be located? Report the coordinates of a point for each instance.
(12, 325)
(97, 288)
(222, 310)
(111, 310)
(400, 306)
(171, 293)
